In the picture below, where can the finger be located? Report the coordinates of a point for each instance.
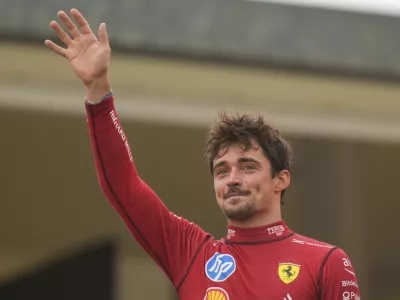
(103, 35)
(83, 24)
(65, 38)
(69, 24)
(57, 49)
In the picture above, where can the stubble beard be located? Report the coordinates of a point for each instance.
(238, 210)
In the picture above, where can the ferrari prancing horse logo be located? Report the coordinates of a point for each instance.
(288, 272)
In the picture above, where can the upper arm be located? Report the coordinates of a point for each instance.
(337, 279)
(171, 241)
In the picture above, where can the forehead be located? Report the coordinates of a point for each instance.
(233, 152)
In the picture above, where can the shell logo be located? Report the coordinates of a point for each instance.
(216, 293)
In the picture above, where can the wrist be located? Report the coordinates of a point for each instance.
(98, 89)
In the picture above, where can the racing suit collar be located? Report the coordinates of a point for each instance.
(268, 233)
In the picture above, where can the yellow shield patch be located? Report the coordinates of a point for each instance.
(288, 272)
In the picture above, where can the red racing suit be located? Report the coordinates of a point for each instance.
(265, 263)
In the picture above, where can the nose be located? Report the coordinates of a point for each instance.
(234, 179)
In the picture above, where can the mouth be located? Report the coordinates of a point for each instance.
(234, 195)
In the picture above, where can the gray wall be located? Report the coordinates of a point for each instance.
(230, 30)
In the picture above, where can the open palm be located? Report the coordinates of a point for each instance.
(89, 57)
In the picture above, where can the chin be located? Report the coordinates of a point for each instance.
(238, 212)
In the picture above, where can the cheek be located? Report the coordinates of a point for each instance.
(260, 185)
(219, 188)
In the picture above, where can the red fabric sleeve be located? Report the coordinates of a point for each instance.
(338, 280)
(171, 241)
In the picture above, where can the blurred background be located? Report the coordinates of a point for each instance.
(324, 72)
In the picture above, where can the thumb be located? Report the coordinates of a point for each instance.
(103, 36)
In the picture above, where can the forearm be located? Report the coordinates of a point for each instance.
(111, 150)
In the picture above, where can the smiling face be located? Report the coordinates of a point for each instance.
(250, 163)
(244, 184)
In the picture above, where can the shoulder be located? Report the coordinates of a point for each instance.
(318, 250)
(321, 257)
(337, 259)
(309, 246)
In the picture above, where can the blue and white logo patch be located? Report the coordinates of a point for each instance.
(220, 267)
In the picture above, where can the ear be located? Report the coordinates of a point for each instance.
(282, 181)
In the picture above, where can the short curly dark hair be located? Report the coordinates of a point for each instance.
(245, 129)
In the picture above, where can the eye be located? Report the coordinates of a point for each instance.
(249, 167)
(220, 172)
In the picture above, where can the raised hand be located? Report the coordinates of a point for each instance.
(89, 57)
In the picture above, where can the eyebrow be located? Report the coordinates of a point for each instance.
(240, 160)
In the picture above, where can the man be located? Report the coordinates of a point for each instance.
(261, 258)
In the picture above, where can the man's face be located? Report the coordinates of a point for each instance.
(243, 182)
